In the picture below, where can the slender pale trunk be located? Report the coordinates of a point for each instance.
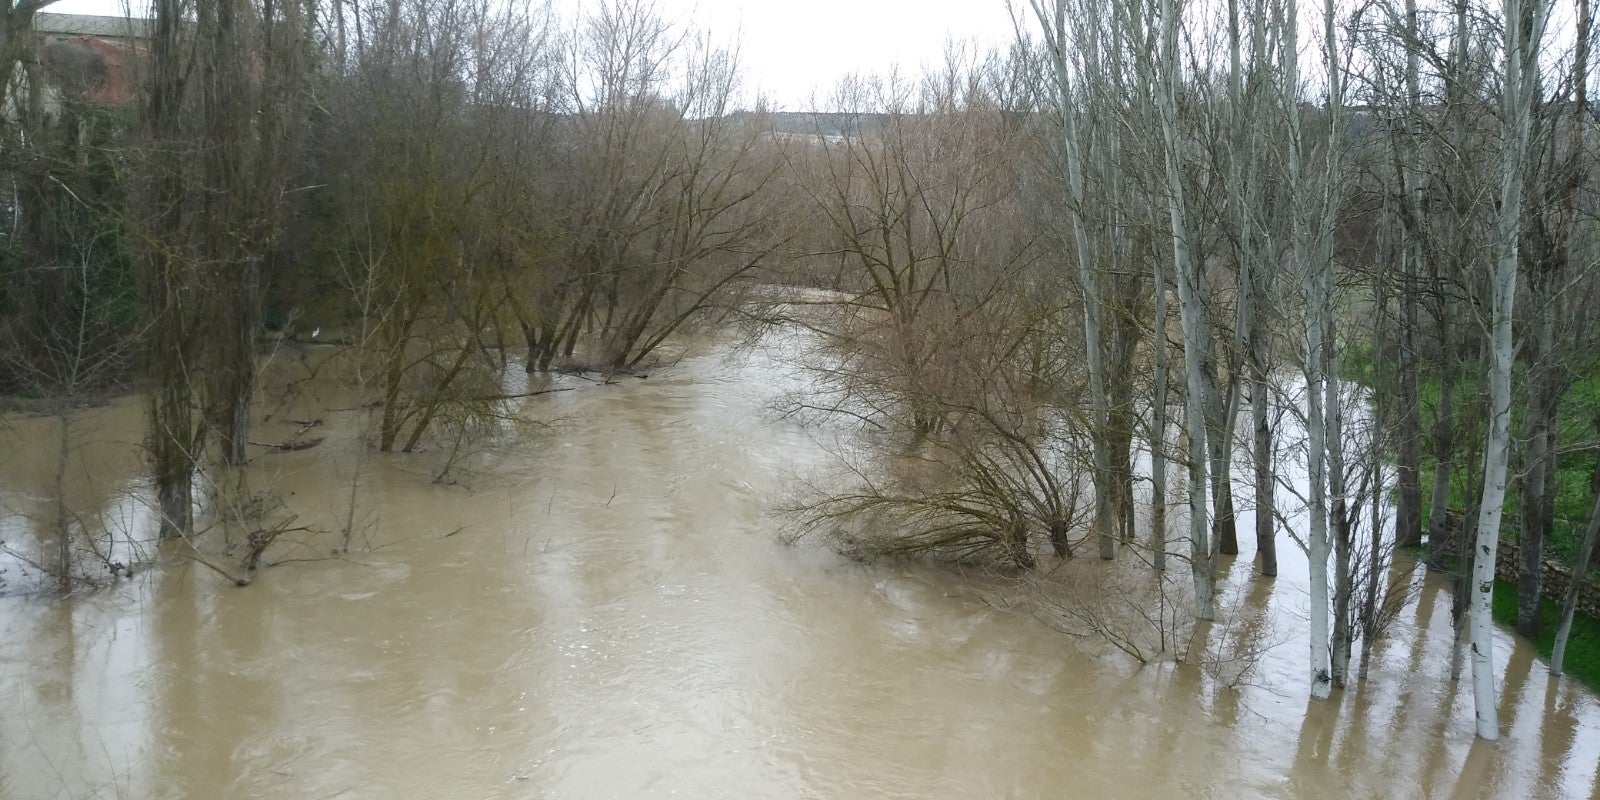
(1094, 346)
(1312, 259)
(1580, 571)
(1408, 511)
(1220, 405)
(1515, 114)
(1569, 603)
(1249, 353)
(1373, 590)
(1257, 341)
(1261, 441)
(1158, 425)
(1240, 197)
(1316, 460)
(1073, 166)
(1196, 342)
(1336, 521)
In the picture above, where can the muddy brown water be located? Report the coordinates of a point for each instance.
(608, 610)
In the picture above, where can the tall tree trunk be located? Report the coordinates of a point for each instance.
(1158, 424)
(239, 374)
(1225, 528)
(166, 284)
(1220, 406)
(1581, 565)
(1316, 464)
(1373, 591)
(1440, 543)
(1585, 555)
(1261, 443)
(1497, 446)
(1073, 153)
(1521, 48)
(1122, 413)
(1191, 312)
(1408, 423)
(173, 442)
(1548, 236)
(1342, 518)
(1312, 247)
(1255, 338)
(1408, 427)
(16, 42)
(224, 199)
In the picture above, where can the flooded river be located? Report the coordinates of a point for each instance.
(610, 611)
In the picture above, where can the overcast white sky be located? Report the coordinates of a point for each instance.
(792, 48)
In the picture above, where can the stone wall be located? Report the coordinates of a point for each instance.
(1556, 578)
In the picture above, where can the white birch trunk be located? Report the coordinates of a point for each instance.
(1520, 67)
(1497, 448)
(1312, 262)
(1316, 461)
(1339, 657)
(1158, 426)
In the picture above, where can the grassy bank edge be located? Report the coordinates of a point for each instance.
(1583, 646)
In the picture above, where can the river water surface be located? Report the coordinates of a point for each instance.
(610, 611)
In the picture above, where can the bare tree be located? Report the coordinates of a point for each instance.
(663, 208)
(169, 281)
(1524, 22)
(1072, 38)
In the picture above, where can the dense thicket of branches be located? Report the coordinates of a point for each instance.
(1334, 264)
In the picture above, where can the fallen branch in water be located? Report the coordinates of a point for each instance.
(306, 560)
(291, 446)
(200, 558)
(519, 396)
(366, 407)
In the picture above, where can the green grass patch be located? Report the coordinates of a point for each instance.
(1583, 646)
